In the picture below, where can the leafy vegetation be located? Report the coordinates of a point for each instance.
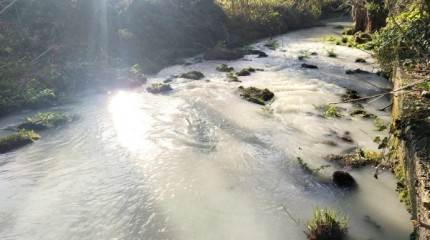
(42, 121)
(17, 140)
(327, 224)
(331, 53)
(305, 167)
(330, 110)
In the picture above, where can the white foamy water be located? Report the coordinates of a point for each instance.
(200, 162)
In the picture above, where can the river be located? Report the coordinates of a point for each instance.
(202, 163)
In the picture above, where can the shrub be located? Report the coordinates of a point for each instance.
(17, 139)
(327, 225)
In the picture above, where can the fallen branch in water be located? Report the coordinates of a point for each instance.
(383, 94)
(297, 222)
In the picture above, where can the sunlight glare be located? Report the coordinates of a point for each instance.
(131, 121)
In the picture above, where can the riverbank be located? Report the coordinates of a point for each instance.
(411, 144)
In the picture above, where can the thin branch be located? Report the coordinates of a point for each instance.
(11, 63)
(382, 94)
(42, 54)
(290, 215)
(8, 6)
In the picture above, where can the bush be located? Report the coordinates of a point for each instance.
(405, 38)
(17, 139)
(327, 225)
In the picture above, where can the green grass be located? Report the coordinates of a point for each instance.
(17, 139)
(327, 224)
(272, 44)
(331, 53)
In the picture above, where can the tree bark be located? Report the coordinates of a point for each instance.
(359, 16)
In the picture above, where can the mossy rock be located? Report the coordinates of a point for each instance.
(363, 114)
(358, 158)
(156, 88)
(224, 68)
(194, 75)
(232, 77)
(350, 94)
(256, 95)
(223, 54)
(46, 120)
(17, 140)
(246, 71)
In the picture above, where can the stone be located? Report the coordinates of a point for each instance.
(310, 66)
(194, 75)
(156, 88)
(343, 179)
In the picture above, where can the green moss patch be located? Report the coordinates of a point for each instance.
(46, 120)
(17, 140)
(247, 71)
(256, 95)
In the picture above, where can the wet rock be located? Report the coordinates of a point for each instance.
(350, 94)
(304, 65)
(361, 37)
(194, 75)
(223, 54)
(360, 60)
(260, 54)
(224, 68)
(256, 95)
(343, 179)
(156, 88)
(363, 114)
(358, 70)
(346, 137)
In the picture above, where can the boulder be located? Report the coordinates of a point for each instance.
(343, 179)
(156, 88)
(256, 95)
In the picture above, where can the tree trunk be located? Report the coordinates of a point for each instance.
(359, 16)
(376, 18)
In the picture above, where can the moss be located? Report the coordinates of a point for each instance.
(224, 68)
(156, 88)
(358, 158)
(232, 77)
(194, 75)
(272, 44)
(17, 140)
(246, 71)
(256, 95)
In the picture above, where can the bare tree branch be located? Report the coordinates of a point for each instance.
(8, 6)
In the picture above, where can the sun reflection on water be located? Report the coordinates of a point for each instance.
(131, 120)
